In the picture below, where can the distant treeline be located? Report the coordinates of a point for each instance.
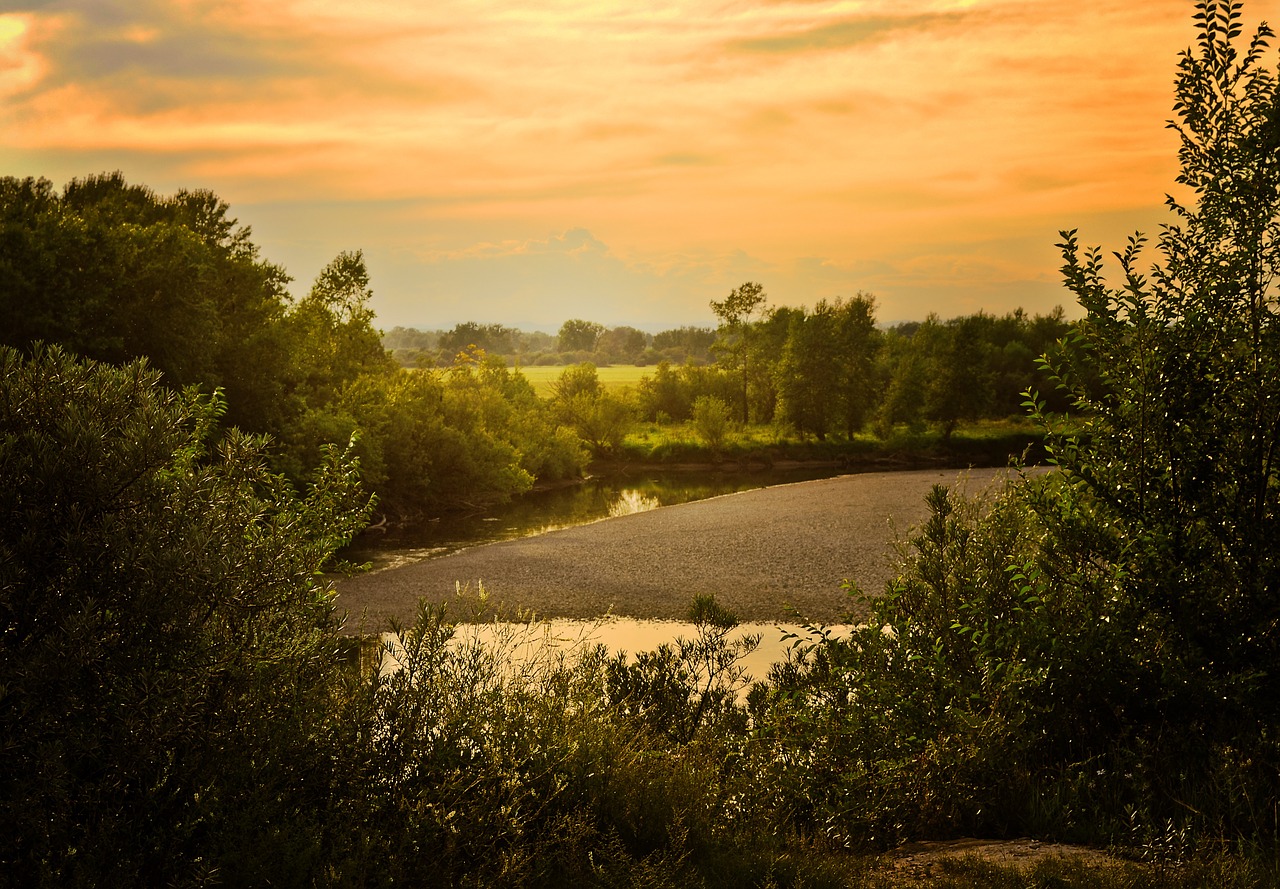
(577, 341)
(830, 369)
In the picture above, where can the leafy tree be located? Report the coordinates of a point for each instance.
(905, 368)
(683, 344)
(807, 366)
(1094, 653)
(664, 394)
(577, 335)
(599, 418)
(113, 272)
(737, 312)
(1175, 376)
(768, 340)
(959, 386)
(857, 345)
(622, 344)
(492, 338)
(334, 337)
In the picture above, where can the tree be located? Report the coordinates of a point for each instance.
(1104, 636)
(600, 418)
(712, 422)
(622, 344)
(857, 345)
(664, 394)
(1175, 379)
(904, 367)
(683, 344)
(736, 312)
(334, 337)
(492, 338)
(959, 385)
(113, 272)
(805, 371)
(577, 335)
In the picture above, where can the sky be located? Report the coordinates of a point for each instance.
(624, 163)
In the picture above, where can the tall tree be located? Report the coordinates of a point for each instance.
(857, 343)
(335, 340)
(622, 344)
(168, 636)
(806, 368)
(737, 312)
(959, 385)
(492, 338)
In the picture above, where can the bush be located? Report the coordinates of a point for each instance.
(167, 636)
(712, 422)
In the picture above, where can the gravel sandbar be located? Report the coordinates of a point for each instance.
(768, 554)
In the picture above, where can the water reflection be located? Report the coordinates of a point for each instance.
(630, 502)
(530, 642)
(542, 511)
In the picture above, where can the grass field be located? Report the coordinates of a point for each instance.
(613, 377)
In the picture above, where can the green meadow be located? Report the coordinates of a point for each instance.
(613, 377)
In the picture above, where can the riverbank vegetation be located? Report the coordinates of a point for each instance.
(1090, 656)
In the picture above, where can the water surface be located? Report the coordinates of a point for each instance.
(539, 512)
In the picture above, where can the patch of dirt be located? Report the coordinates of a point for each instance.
(918, 864)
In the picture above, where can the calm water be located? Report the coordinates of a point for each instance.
(529, 641)
(593, 500)
(542, 511)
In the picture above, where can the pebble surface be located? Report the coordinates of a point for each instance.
(772, 554)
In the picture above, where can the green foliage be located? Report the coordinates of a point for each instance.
(577, 335)
(687, 686)
(1176, 377)
(809, 356)
(685, 344)
(599, 418)
(957, 371)
(736, 312)
(506, 763)
(333, 333)
(906, 369)
(167, 635)
(622, 345)
(712, 422)
(114, 272)
(492, 338)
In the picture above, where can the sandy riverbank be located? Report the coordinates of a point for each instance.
(766, 554)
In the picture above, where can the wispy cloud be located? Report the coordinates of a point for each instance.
(840, 34)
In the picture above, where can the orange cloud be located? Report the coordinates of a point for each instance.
(860, 132)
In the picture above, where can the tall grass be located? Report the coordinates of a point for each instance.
(986, 443)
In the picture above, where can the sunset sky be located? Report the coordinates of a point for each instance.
(625, 163)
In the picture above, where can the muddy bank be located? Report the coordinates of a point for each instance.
(768, 554)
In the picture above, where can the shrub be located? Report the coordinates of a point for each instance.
(167, 634)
